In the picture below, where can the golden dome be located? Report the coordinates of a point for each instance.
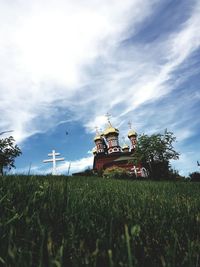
(132, 133)
(125, 147)
(111, 130)
(97, 137)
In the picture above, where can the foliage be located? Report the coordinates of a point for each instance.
(195, 176)
(87, 172)
(174, 175)
(154, 153)
(115, 172)
(59, 221)
(8, 153)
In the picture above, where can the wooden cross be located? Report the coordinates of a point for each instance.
(54, 159)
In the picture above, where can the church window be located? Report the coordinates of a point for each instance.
(114, 143)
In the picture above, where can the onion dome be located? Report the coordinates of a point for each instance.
(111, 130)
(97, 137)
(125, 147)
(132, 133)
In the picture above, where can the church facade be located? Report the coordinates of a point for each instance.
(108, 152)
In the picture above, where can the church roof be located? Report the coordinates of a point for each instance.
(111, 130)
(97, 137)
(132, 133)
(125, 146)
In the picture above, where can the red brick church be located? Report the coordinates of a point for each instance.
(109, 153)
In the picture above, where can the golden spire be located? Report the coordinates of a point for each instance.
(110, 129)
(98, 135)
(131, 131)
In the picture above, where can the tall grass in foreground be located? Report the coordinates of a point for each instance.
(60, 221)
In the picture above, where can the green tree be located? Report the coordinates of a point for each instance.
(194, 176)
(8, 152)
(154, 152)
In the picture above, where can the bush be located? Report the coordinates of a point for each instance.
(161, 171)
(116, 173)
(173, 175)
(194, 176)
(87, 172)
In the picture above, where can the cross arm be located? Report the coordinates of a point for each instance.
(47, 160)
(56, 154)
(60, 159)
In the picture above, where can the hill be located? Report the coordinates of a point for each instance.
(89, 221)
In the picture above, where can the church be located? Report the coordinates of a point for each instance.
(108, 152)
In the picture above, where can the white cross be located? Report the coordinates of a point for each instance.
(54, 159)
(97, 130)
(123, 138)
(108, 118)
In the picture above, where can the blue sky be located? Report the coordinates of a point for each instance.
(65, 64)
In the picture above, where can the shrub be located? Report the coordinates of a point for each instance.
(194, 176)
(87, 172)
(116, 173)
(173, 175)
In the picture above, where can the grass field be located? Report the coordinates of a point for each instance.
(79, 221)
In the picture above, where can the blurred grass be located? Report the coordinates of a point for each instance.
(88, 221)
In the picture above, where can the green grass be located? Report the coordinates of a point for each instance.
(88, 221)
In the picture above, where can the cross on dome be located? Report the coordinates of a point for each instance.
(130, 125)
(131, 131)
(123, 138)
(108, 118)
(97, 130)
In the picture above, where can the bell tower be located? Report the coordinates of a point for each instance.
(132, 135)
(99, 142)
(111, 134)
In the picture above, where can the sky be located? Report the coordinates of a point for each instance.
(66, 63)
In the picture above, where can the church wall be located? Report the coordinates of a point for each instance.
(102, 161)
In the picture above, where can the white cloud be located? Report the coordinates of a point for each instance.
(146, 73)
(186, 164)
(44, 48)
(74, 166)
(69, 55)
(98, 122)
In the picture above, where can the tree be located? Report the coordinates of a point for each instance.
(154, 152)
(194, 176)
(8, 152)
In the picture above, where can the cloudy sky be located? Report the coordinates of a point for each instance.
(66, 63)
